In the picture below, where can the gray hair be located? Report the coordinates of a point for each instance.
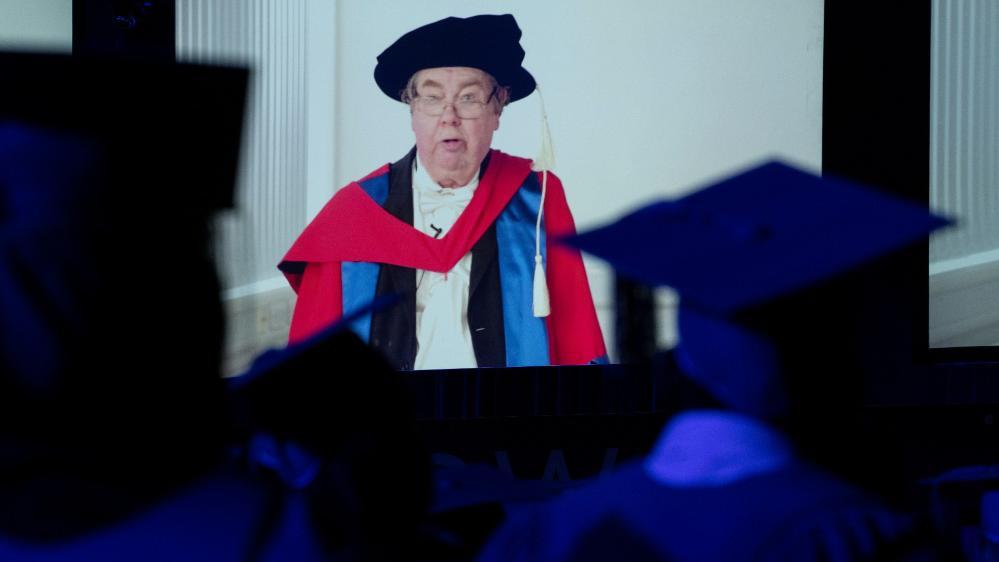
(499, 100)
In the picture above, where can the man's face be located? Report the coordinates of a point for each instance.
(452, 148)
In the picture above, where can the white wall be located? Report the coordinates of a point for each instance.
(37, 25)
(268, 37)
(964, 171)
(646, 99)
(321, 94)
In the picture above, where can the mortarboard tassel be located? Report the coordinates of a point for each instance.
(543, 163)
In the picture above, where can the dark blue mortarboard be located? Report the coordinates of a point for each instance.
(173, 130)
(743, 243)
(96, 155)
(272, 360)
(332, 406)
(755, 236)
(488, 42)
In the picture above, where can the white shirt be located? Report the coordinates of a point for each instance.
(714, 448)
(443, 338)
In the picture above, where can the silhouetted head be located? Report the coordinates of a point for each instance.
(111, 325)
(788, 287)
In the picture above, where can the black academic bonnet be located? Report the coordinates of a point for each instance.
(490, 43)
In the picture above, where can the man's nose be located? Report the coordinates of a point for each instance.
(450, 115)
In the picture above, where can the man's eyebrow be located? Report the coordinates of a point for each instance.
(428, 83)
(475, 82)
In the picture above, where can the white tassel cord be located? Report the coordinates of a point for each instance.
(543, 163)
(546, 156)
(541, 304)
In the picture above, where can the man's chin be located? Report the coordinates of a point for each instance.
(449, 167)
(451, 161)
(448, 177)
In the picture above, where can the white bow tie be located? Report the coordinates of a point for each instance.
(433, 199)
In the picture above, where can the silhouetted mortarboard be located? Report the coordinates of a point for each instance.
(756, 236)
(330, 415)
(295, 390)
(488, 42)
(743, 243)
(172, 130)
(88, 145)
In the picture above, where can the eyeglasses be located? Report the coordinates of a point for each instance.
(468, 106)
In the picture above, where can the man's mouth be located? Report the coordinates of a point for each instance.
(452, 144)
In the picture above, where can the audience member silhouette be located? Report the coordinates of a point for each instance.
(329, 422)
(113, 432)
(786, 289)
(118, 438)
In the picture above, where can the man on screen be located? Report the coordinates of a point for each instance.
(464, 233)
